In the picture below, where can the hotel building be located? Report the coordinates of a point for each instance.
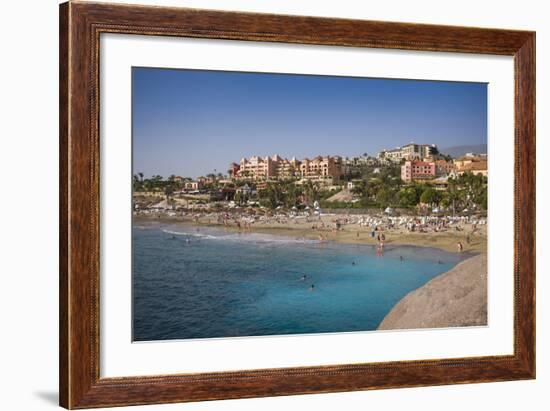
(353, 166)
(275, 167)
(476, 168)
(192, 185)
(321, 168)
(417, 171)
(286, 169)
(256, 168)
(464, 161)
(410, 151)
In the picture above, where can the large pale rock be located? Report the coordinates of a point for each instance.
(453, 299)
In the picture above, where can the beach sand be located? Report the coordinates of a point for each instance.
(472, 240)
(453, 299)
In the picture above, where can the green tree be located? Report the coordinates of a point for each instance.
(271, 195)
(291, 196)
(475, 187)
(408, 197)
(373, 186)
(311, 191)
(429, 196)
(168, 191)
(383, 197)
(156, 182)
(238, 197)
(360, 188)
(482, 200)
(136, 183)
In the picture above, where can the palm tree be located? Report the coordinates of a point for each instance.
(311, 191)
(136, 184)
(292, 194)
(474, 186)
(156, 181)
(272, 195)
(453, 193)
(360, 188)
(429, 196)
(238, 198)
(168, 191)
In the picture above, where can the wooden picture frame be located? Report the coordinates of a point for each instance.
(80, 27)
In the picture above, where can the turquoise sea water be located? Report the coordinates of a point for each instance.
(191, 282)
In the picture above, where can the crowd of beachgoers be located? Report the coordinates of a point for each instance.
(444, 231)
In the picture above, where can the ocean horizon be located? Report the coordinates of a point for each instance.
(192, 282)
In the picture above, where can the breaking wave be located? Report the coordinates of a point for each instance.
(244, 237)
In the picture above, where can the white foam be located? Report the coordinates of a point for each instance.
(245, 237)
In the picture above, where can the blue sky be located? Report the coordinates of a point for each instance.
(192, 122)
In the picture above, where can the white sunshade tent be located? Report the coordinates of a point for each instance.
(163, 204)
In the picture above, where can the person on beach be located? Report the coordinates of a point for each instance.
(459, 247)
(400, 258)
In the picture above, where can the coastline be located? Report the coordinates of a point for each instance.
(350, 234)
(456, 298)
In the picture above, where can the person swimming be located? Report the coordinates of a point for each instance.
(312, 288)
(303, 278)
(353, 263)
(401, 258)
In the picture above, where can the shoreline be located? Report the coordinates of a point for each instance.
(446, 241)
(456, 298)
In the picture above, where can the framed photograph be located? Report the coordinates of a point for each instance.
(258, 205)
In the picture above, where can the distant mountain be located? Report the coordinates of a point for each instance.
(458, 151)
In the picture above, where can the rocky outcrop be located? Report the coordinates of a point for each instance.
(453, 299)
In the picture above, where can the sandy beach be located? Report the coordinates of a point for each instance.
(456, 298)
(442, 233)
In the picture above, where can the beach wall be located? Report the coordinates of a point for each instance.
(453, 299)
